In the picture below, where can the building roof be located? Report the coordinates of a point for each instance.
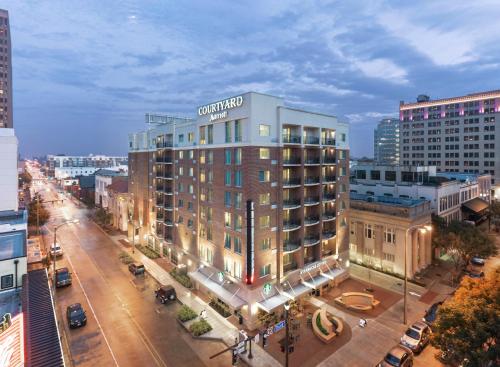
(42, 342)
(13, 216)
(87, 182)
(476, 205)
(386, 200)
(110, 173)
(119, 186)
(461, 99)
(12, 343)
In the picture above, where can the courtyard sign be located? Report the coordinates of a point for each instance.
(312, 267)
(219, 109)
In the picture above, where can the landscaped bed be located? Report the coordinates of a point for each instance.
(221, 308)
(200, 327)
(125, 258)
(186, 313)
(184, 279)
(147, 251)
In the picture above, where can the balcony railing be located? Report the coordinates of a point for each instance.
(311, 161)
(311, 201)
(328, 141)
(328, 179)
(328, 197)
(159, 216)
(328, 216)
(291, 182)
(328, 234)
(311, 180)
(289, 267)
(163, 160)
(165, 144)
(290, 225)
(291, 245)
(329, 160)
(309, 260)
(311, 240)
(160, 203)
(291, 160)
(168, 207)
(311, 220)
(168, 222)
(311, 140)
(291, 139)
(289, 204)
(159, 187)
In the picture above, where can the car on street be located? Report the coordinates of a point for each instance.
(431, 313)
(136, 268)
(76, 316)
(416, 337)
(56, 250)
(398, 356)
(63, 277)
(166, 293)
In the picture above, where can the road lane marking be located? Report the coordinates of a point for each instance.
(92, 309)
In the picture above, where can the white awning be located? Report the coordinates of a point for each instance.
(273, 302)
(334, 273)
(296, 291)
(229, 298)
(316, 282)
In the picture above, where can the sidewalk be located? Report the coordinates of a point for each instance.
(222, 329)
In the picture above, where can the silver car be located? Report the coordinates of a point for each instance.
(398, 356)
(416, 337)
(56, 250)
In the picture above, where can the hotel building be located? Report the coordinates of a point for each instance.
(5, 72)
(455, 134)
(251, 198)
(386, 141)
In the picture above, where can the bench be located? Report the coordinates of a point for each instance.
(331, 324)
(357, 301)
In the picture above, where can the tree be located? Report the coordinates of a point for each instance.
(25, 178)
(102, 216)
(467, 325)
(37, 207)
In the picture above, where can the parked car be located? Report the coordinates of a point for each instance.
(416, 337)
(76, 315)
(166, 293)
(56, 250)
(474, 274)
(431, 313)
(63, 277)
(477, 261)
(136, 268)
(398, 356)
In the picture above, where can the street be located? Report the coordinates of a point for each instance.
(126, 326)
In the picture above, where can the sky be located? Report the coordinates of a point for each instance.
(86, 72)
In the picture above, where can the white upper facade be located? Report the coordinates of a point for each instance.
(8, 170)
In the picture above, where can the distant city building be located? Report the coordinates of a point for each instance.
(447, 191)
(6, 118)
(251, 198)
(62, 166)
(386, 141)
(454, 134)
(378, 231)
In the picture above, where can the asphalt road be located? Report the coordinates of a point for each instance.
(126, 325)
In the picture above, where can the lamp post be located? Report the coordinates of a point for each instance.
(423, 228)
(287, 307)
(54, 246)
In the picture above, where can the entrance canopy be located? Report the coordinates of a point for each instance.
(229, 298)
(476, 205)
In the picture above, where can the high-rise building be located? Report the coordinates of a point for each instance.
(5, 72)
(386, 141)
(250, 199)
(455, 134)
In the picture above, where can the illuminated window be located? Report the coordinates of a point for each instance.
(264, 153)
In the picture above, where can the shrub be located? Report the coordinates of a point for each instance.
(125, 258)
(182, 278)
(320, 327)
(147, 251)
(200, 327)
(186, 313)
(221, 308)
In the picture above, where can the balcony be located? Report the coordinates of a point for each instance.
(311, 221)
(328, 235)
(168, 191)
(329, 179)
(169, 239)
(291, 204)
(167, 175)
(159, 216)
(168, 207)
(311, 161)
(169, 223)
(328, 216)
(328, 197)
(327, 252)
(329, 160)
(165, 144)
(163, 160)
(289, 226)
(328, 141)
(159, 232)
(311, 201)
(160, 203)
(311, 180)
(311, 240)
(309, 260)
(291, 139)
(289, 267)
(290, 246)
(291, 161)
(160, 187)
(291, 182)
(311, 140)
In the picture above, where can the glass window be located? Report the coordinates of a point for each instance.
(191, 154)
(191, 189)
(237, 131)
(181, 171)
(237, 156)
(264, 176)
(227, 219)
(238, 223)
(265, 244)
(227, 199)
(264, 130)
(265, 270)
(191, 171)
(190, 206)
(210, 134)
(202, 135)
(227, 178)
(264, 153)
(237, 178)
(265, 199)
(227, 154)
(237, 245)
(265, 221)
(238, 197)
(190, 223)
(181, 138)
(180, 187)
(202, 157)
(7, 281)
(210, 157)
(190, 137)
(228, 131)
(181, 154)
(180, 203)
(227, 241)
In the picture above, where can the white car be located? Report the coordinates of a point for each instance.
(56, 250)
(416, 337)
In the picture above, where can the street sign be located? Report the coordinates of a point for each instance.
(241, 348)
(279, 326)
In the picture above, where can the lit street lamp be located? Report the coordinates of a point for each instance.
(287, 307)
(423, 229)
(53, 252)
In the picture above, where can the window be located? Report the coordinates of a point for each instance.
(181, 154)
(210, 134)
(342, 137)
(191, 171)
(191, 154)
(237, 131)
(190, 206)
(210, 157)
(265, 199)
(237, 270)
(227, 199)
(227, 219)
(265, 244)
(181, 171)
(369, 231)
(181, 138)
(202, 157)
(375, 175)
(191, 189)
(264, 221)
(180, 219)
(190, 223)
(264, 176)
(264, 130)
(180, 203)
(190, 137)
(390, 235)
(389, 257)
(180, 187)
(390, 175)
(227, 241)
(7, 281)
(238, 198)
(227, 178)
(238, 223)
(264, 153)
(227, 155)
(202, 176)
(202, 135)
(237, 179)
(237, 156)
(237, 245)
(228, 132)
(265, 270)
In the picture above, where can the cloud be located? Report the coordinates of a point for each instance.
(382, 69)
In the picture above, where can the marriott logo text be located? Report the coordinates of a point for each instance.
(221, 106)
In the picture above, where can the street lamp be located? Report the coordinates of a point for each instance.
(54, 246)
(423, 229)
(287, 307)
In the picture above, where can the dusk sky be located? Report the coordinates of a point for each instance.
(86, 72)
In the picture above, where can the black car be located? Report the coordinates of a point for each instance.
(166, 293)
(76, 315)
(136, 268)
(431, 313)
(63, 277)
